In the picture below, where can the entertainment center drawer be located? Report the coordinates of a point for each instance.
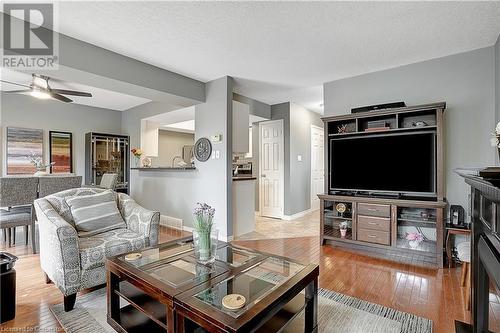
(374, 210)
(371, 222)
(374, 236)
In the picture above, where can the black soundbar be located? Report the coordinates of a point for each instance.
(378, 107)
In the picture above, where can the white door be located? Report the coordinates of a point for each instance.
(317, 165)
(272, 168)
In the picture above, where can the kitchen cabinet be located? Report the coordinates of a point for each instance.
(241, 116)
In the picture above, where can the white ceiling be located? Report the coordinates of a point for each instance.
(183, 126)
(101, 98)
(281, 51)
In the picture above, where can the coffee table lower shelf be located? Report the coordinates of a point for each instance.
(134, 319)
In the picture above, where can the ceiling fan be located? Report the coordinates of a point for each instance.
(40, 88)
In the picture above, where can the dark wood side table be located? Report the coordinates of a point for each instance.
(452, 230)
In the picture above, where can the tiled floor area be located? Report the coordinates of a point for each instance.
(268, 228)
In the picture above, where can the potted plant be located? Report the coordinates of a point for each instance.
(495, 138)
(137, 152)
(205, 237)
(414, 239)
(343, 228)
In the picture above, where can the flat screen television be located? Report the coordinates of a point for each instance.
(398, 163)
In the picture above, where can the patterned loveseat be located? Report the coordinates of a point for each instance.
(75, 263)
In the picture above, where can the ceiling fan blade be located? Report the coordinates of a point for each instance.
(17, 84)
(16, 91)
(71, 92)
(60, 97)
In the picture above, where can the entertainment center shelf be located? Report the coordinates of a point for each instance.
(405, 222)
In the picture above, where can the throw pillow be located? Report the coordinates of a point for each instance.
(96, 213)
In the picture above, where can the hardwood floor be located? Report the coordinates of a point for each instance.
(434, 294)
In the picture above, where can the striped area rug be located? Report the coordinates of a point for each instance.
(336, 313)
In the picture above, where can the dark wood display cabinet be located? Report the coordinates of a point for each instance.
(378, 223)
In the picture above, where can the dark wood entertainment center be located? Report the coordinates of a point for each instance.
(377, 225)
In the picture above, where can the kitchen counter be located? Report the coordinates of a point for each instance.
(237, 178)
(164, 168)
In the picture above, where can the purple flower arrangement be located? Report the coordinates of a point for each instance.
(203, 217)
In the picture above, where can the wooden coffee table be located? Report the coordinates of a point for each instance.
(167, 291)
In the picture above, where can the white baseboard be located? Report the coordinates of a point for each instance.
(176, 223)
(172, 222)
(297, 215)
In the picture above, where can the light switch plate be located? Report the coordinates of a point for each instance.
(299, 158)
(216, 138)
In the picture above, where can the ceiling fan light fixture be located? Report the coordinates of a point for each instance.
(40, 82)
(40, 94)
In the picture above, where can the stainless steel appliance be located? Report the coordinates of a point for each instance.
(242, 169)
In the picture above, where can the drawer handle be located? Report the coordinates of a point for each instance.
(372, 209)
(372, 236)
(373, 223)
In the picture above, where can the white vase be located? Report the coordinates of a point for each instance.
(414, 244)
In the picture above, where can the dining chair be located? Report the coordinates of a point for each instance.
(53, 184)
(17, 195)
(109, 181)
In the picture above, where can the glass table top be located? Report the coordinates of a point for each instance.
(254, 283)
(182, 271)
(235, 257)
(155, 255)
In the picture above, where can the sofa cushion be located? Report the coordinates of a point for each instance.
(95, 213)
(95, 249)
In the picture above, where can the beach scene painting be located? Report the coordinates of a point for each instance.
(23, 144)
(61, 152)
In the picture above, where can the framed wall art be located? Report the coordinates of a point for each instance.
(61, 152)
(24, 145)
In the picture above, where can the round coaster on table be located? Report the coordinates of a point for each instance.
(133, 256)
(233, 301)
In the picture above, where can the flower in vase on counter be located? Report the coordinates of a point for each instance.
(414, 239)
(204, 236)
(137, 152)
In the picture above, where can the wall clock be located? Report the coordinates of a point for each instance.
(202, 149)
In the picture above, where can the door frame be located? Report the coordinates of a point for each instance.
(282, 168)
(311, 170)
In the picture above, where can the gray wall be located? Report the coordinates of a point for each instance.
(257, 108)
(215, 116)
(28, 112)
(297, 123)
(282, 111)
(465, 81)
(175, 193)
(497, 78)
(301, 119)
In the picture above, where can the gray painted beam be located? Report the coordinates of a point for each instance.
(95, 66)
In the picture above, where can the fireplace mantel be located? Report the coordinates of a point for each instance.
(485, 249)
